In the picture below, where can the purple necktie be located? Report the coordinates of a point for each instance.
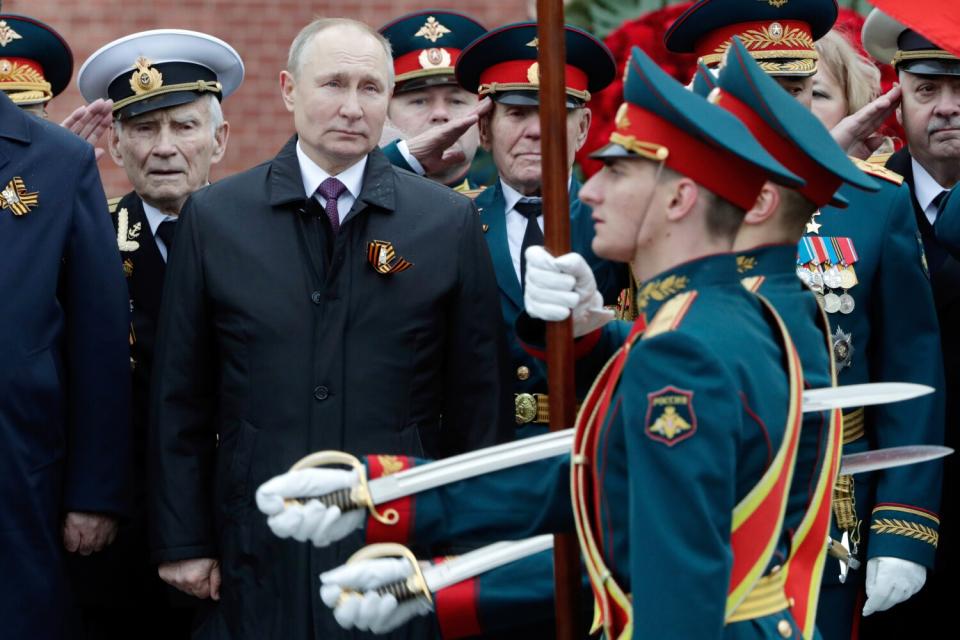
(332, 189)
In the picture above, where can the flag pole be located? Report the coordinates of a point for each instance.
(556, 207)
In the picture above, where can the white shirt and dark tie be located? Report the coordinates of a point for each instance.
(162, 227)
(927, 190)
(317, 182)
(518, 220)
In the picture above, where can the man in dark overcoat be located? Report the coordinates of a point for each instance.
(321, 300)
(64, 377)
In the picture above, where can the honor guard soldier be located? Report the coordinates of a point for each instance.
(867, 264)
(929, 77)
(436, 115)
(699, 456)
(166, 86)
(765, 257)
(36, 63)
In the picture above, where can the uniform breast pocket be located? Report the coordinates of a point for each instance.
(35, 406)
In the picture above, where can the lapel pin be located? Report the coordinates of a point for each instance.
(383, 258)
(17, 199)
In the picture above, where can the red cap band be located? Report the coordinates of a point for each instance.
(422, 62)
(525, 74)
(725, 174)
(820, 185)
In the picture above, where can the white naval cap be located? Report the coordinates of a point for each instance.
(160, 68)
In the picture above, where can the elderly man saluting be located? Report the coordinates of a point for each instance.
(321, 300)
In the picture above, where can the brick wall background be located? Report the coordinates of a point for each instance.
(260, 30)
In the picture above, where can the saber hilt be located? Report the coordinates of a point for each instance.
(347, 499)
(410, 588)
(341, 498)
(402, 590)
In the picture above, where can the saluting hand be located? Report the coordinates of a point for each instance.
(857, 133)
(85, 533)
(90, 121)
(437, 149)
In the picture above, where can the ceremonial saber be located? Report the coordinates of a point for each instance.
(370, 494)
(427, 581)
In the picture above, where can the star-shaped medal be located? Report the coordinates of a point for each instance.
(813, 226)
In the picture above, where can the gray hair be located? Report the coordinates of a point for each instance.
(213, 105)
(295, 57)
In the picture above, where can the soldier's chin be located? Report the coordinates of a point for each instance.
(613, 249)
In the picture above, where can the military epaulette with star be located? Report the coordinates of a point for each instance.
(113, 203)
(877, 170)
(669, 316)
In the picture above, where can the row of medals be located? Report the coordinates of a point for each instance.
(826, 281)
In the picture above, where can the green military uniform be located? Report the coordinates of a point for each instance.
(883, 324)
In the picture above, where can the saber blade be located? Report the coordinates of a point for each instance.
(850, 396)
(878, 459)
(479, 561)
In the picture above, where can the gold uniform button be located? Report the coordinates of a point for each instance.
(523, 373)
(784, 629)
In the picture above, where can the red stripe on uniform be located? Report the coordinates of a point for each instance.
(457, 610)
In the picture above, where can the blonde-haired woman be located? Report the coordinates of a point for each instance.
(846, 83)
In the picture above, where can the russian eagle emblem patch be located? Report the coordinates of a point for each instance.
(670, 416)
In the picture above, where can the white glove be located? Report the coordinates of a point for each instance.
(364, 608)
(891, 581)
(555, 287)
(312, 521)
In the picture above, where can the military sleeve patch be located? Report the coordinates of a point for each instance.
(670, 416)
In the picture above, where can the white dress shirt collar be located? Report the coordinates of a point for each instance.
(154, 218)
(926, 189)
(313, 176)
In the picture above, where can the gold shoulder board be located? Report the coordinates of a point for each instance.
(112, 204)
(752, 283)
(671, 314)
(878, 171)
(472, 193)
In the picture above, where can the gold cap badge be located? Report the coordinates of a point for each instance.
(7, 34)
(431, 30)
(145, 79)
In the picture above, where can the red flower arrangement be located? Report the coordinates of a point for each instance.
(647, 32)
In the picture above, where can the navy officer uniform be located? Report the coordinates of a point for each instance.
(867, 264)
(138, 72)
(64, 377)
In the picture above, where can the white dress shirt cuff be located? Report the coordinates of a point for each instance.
(413, 162)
